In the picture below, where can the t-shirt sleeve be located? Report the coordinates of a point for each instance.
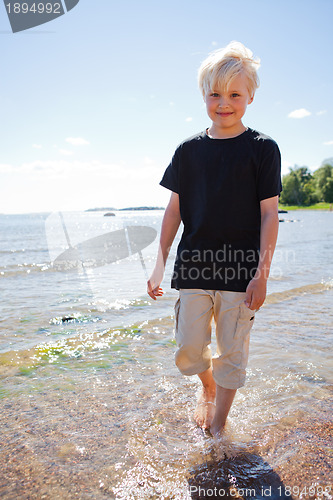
(269, 176)
(170, 178)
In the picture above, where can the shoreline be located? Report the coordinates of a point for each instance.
(323, 207)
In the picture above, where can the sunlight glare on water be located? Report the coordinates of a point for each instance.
(94, 407)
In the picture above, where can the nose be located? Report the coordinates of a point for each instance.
(223, 101)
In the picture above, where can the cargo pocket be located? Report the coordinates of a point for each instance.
(244, 322)
(241, 342)
(246, 313)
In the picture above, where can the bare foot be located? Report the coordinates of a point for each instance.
(217, 430)
(205, 409)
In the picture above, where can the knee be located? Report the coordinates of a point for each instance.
(185, 357)
(191, 361)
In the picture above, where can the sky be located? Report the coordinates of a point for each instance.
(94, 103)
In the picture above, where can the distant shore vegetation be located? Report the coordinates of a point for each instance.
(305, 189)
(301, 189)
(112, 209)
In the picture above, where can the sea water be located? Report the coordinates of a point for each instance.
(92, 405)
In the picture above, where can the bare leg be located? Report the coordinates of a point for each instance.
(205, 410)
(224, 399)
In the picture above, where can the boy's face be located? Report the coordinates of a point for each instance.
(226, 107)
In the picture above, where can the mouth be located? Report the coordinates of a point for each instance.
(225, 114)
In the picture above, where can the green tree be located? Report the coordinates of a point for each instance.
(291, 192)
(323, 177)
(328, 190)
(299, 187)
(309, 193)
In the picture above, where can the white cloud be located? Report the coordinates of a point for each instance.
(5, 168)
(322, 112)
(37, 146)
(299, 113)
(214, 44)
(77, 141)
(64, 168)
(42, 185)
(189, 119)
(148, 161)
(328, 143)
(65, 152)
(48, 168)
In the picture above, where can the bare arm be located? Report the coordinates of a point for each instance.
(170, 225)
(257, 288)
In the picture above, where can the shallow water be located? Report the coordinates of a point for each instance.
(94, 407)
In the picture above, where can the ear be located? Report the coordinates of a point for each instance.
(251, 99)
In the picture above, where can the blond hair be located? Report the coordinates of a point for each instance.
(223, 65)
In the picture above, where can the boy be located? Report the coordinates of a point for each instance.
(225, 185)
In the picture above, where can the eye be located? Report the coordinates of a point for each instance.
(234, 94)
(214, 94)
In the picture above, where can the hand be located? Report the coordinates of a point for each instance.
(154, 292)
(256, 293)
(153, 284)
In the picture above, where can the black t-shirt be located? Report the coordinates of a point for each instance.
(220, 183)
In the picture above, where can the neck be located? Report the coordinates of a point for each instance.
(221, 133)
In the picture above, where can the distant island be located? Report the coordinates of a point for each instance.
(112, 209)
(101, 209)
(143, 208)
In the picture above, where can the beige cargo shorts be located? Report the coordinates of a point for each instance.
(194, 312)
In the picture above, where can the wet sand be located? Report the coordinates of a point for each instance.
(75, 441)
(109, 416)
